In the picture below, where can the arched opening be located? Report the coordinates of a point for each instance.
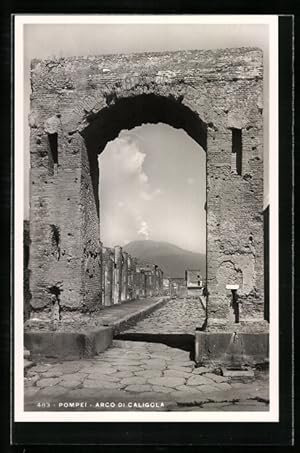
(124, 123)
(129, 112)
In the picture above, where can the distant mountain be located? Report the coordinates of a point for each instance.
(171, 259)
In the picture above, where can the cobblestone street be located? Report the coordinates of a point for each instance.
(177, 316)
(151, 376)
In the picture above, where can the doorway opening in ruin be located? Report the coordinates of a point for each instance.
(150, 192)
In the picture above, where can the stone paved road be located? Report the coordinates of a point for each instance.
(177, 316)
(140, 372)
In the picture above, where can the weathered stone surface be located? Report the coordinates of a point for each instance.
(27, 365)
(96, 383)
(49, 382)
(156, 364)
(124, 361)
(202, 370)
(237, 385)
(31, 391)
(73, 383)
(237, 373)
(216, 377)
(30, 380)
(179, 316)
(57, 390)
(211, 95)
(52, 373)
(133, 381)
(223, 385)
(231, 348)
(131, 368)
(199, 380)
(207, 389)
(184, 369)
(98, 375)
(162, 389)
(176, 373)
(102, 369)
(40, 369)
(138, 388)
(67, 367)
(167, 381)
(123, 374)
(188, 389)
(149, 373)
(175, 392)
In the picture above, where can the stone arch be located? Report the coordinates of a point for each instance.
(72, 102)
(130, 111)
(165, 84)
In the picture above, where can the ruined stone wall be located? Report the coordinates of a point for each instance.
(55, 276)
(107, 276)
(213, 96)
(91, 274)
(234, 217)
(26, 249)
(124, 280)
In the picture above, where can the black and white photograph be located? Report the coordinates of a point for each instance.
(146, 218)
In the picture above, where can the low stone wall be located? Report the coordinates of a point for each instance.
(68, 345)
(71, 344)
(231, 348)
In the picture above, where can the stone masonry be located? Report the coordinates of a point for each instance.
(79, 104)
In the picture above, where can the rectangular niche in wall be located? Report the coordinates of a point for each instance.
(52, 153)
(236, 151)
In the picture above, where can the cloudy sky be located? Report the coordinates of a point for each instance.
(152, 177)
(152, 186)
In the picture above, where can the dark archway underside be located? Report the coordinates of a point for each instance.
(127, 113)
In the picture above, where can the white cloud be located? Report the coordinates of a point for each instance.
(126, 190)
(143, 177)
(150, 195)
(144, 230)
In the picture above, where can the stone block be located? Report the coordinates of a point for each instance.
(229, 349)
(237, 373)
(68, 345)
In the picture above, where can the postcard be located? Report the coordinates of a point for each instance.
(146, 218)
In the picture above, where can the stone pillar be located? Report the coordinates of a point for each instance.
(161, 281)
(124, 290)
(156, 280)
(130, 278)
(172, 288)
(134, 285)
(234, 227)
(101, 273)
(117, 280)
(148, 283)
(108, 266)
(142, 283)
(137, 282)
(65, 257)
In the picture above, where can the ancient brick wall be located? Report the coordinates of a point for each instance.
(124, 280)
(26, 250)
(215, 96)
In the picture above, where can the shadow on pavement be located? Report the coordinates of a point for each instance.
(185, 342)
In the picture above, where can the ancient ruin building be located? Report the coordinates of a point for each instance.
(26, 271)
(78, 104)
